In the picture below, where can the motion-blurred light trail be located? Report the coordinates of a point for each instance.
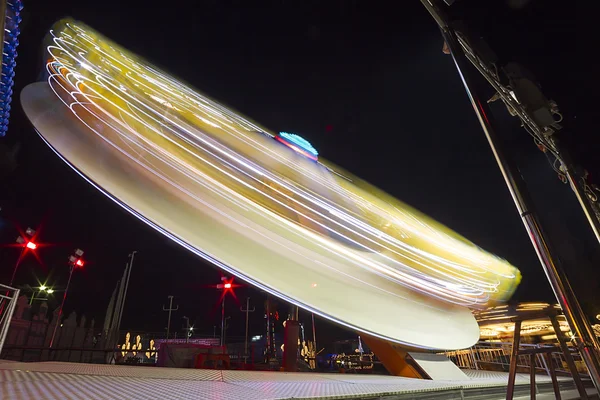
(266, 207)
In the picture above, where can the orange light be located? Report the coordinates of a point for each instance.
(79, 262)
(227, 286)
(31, 245)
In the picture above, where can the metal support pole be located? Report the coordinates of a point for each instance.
(514, 359)
(586, 340)
(62, 304)
(223, 321)
(3, 301)
(187, 329)
(6, 317)
(17, 264)
(543, 361)
(532, 391)
(247, 311)
(568, 358)
(247, 317)
(569, 171)
(555, 386)
(314, 332)
(122, 306)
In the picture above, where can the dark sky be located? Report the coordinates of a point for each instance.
(365, 81)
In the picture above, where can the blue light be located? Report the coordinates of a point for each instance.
(300, 142)
(12, 18)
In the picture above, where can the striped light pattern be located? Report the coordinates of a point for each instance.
(162, 121)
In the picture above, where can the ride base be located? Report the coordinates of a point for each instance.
(59, 380)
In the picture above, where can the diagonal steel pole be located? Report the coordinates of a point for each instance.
(585, 339)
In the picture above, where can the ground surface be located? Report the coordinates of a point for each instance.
(56, 380)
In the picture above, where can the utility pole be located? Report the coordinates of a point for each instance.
(247, 310)
(170, 309)
(223, 321)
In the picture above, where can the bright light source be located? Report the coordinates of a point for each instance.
(50, 291)
(31, 245)
(79, 262)
(227, 286)
(43, 287)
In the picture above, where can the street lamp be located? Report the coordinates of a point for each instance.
(75, 261)
(25, 243)
(42, 288)
(225, 286)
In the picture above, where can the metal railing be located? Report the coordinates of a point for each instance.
(496, 356)
(8, 301)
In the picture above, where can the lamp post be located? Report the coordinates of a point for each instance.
(75, 261)
(26, 243)
(189, 330)
(225, 286)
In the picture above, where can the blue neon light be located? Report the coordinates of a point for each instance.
(12, 18)
(300, 142)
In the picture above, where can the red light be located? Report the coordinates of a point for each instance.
(79, 262)
(227, 286)
(31, 245)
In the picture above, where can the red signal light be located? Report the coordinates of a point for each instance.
(79, 262)
(31, 245)
(227, 285)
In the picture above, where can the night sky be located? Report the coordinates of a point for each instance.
(365, 81)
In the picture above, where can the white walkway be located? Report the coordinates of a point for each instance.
(57, 380)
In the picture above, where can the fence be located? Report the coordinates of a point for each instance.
(496, 356)
(29, 332)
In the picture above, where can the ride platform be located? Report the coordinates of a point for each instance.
(60, 380)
